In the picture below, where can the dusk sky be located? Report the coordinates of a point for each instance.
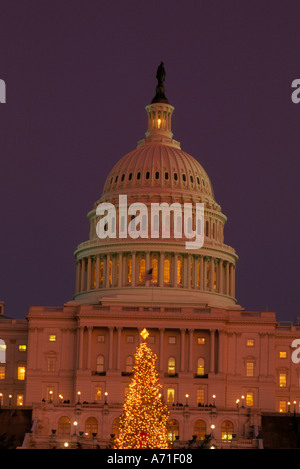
(78, 76)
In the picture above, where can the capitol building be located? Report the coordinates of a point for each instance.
(223, 368)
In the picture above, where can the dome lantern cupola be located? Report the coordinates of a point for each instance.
(159, 115)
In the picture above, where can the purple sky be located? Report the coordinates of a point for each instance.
(79, 75)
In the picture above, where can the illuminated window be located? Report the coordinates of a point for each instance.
(282, 354)
(200, 367)
(91, 426)
(142, 270)
(200, 429)
(64, 426)
(52, 337)
(154, 270)
(179, 271)
(282, 380)
(98, 393)
(129, 364)
(2, 351)
(171, 366)
(1, 398)
(250, 369)
(22, 348)
(166, 271)
(282, 406)
(101, 272)
(249, 399)
(100, 363)
(2, 372)
(200, 396)
(250, 342)
(226, 430)
(171, 395)
(110, 272)
(21, 372)
(20, 399)
(201, 340)
(172, 429)
(129, 270)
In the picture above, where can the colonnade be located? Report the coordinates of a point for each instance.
(187, 349)
(177, 270)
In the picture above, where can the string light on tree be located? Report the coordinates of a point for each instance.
(143, 423)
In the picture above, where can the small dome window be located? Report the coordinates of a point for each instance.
(116, 178)
(198, 180)
(130, 176)
(147, 175)
(122, 178)
(184, 177)
(175, 176)
(157, 175)
(203, 182)
(166, 175)
(191, 179)
(138, 176)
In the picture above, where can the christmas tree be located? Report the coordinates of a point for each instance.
(143, 423)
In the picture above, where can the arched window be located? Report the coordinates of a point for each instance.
(200, 367)
(171, 366)
(64, 426)
(2, 351)
(129, 364)
(200, 429)
(142, 270)
(100, 363)
(226, 430)
(154, 270)
(172, 429)
(166, 271)
(179, 271)
(91, 426)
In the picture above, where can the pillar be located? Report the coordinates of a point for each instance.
(161, 270)
(89, 347)
(89, 273)
(111, 344)
(182, 349)
(107, 269)
(175, 270)
(97, 272)
(120, 273)
(82, 281)
(133, 257)
(212, 350)
(161, 349)
(191, 336)
(119, 335)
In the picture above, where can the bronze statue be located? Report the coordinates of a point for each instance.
(160, 89)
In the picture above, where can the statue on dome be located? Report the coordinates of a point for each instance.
(160, 89)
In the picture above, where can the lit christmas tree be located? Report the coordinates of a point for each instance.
(143, 423)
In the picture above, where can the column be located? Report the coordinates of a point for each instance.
(182, 349)
(212, 274)
(119, 331)
(161, 349)
(201, 281)
(107, 269)
(147, 266)
(120, 273)
(80, 347)
(89, 347)
(133, 257)
(97, 272)
(191, 337)
(221, 352)
(212, 350)
(175, 270)
(78, 274)
(161, 270)
(89, 273)
(227, 278)
(82, 282)
(111, 344)
(189, 258)
(220, 276)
